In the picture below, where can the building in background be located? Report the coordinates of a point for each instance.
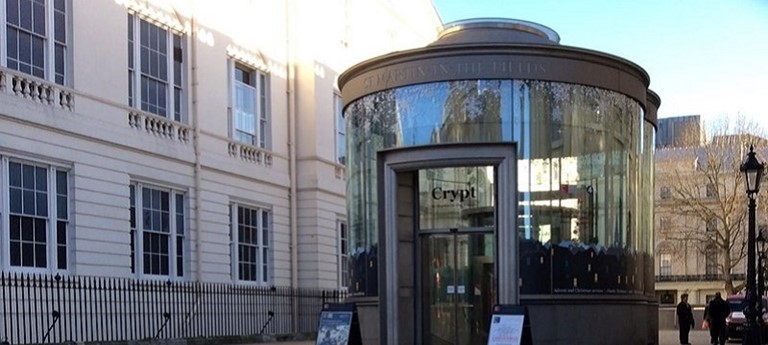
(183, 141)
(680, 131)
(701, 210)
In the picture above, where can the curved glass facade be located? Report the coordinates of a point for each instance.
(585, 162)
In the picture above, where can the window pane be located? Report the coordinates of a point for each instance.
(245, 109)
(147, 219)
(27, 254)
(14, 174)
(61, 244)
(156, 221)
(60, 34)
(15, 254)
(13, 47)
(15, 223)
(12, 11)
(180, 256)
(59, 64)
(25, 52)
(146, 197)
(28, 202)
(264, 265)
(133, 251)
(61, 182)
(165, 200)
(147, 264)
(40, 230)
(38, 52)
(164, 265)
(132, 192)
(144, 56)
(265, 228)
(177, 104)
(27, 229)
(38, 57)
(25, 14)
(15, 200)
(41, 179)
(61, 208)
(28, 176)
(61, 195)
(41, 256)
(38, 18)
(41, 204)
(262, 134)
(262, 96)
(177, 60)
(61, 258)
(131, 101)
(179, 214)
(162, 67)
(61, 233)
(164, 218)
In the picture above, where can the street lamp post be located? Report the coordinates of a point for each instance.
(761, 256)
(753, 172)
(762, 244)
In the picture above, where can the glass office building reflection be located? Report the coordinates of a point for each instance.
(584, 137)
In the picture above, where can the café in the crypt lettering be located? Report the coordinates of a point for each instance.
(451, 195)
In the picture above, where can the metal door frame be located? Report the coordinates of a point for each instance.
(390, 162)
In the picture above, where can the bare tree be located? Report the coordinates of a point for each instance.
(708, 197)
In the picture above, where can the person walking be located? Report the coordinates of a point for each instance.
(685, 319)
(717, 311)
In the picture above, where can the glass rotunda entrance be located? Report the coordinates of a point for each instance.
(445, 223)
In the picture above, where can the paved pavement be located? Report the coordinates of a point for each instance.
(697, 337)
(666, 337)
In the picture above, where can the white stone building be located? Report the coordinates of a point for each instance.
(183, 140)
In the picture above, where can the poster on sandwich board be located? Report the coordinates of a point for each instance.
(506, 329)
(338, 325)
(509, 325)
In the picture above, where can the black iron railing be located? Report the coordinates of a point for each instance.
(54, 309)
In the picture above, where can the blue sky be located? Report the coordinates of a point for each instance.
(706, 57)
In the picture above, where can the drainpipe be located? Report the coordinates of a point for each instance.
(290, 96)
(196, 144)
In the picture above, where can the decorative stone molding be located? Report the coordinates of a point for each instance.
(249, 153)
(154, 15)
(36, 90)
(159, 126)
(253, 59)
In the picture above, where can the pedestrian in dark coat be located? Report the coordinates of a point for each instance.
(684, 319)
(717, 311)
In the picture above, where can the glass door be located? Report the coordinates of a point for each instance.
(458, 288)
(456, 234)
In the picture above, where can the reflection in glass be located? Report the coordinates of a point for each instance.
(584, 164)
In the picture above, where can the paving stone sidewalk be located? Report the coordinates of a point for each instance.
(666, 337)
